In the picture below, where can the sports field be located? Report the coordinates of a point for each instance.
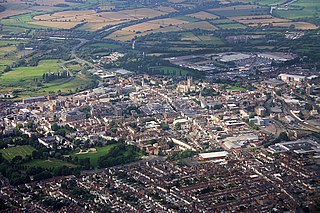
(10, 153)
(236, 88)
(49, 164)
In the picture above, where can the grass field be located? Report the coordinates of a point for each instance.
(263, 2)
(221, 21)
(22, 79)
(231, 26)
(65, 86)
(303, 9)
(170, 70)
(24, 76)
(12, 152)
(187, 18)
(297, 25)
(94, 156)
(49, 164)
(203, 15)
(241, 10)
(4, 43)
(189, 36)
(232, 88)
(259, 20)
(4, 63)
(202, 39)
(21, 21)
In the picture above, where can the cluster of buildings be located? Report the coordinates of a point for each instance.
(231, 64)
(225, 126)
(247, 180)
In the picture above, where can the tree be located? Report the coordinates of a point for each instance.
(54, 127)
(164, 126)
(177, 126)
(30, 124)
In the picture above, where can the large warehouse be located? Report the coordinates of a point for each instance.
(213, 155)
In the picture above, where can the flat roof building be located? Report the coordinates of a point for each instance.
(213, 155)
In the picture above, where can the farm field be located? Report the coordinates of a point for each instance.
(202, 39)
(10, 153)
(94, 156)
(301, 9)
(49, 164)
(297, 25)
(231, 26)
(94, 20)
(20, 23)
(203, 15)
(158, 25)
(263, 20)
(261, 2)
(60, 25)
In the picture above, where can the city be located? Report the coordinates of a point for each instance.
(163, 106)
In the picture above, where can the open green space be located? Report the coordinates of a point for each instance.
(25, 76)
(236, 88)
(22, 21)
(64, 86)
(187, 18)
(190, 38)
(266, 2)
(94, 156)
(10, 153)
(27, 81)
(4, 42)
(166, 70)
(242, 12)
(74, 67)
(231, 26)
(221, 21)
(49, 164)
(301, 9)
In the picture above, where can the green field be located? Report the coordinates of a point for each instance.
(24, 76)
(25, 80)
(231, 26)
(20, 22)
(266, 2)
(303, 9)
(12, 152)
(94, 156)
(236, 88)
(201, 39)
(187, 18)
(49, 164)
(166, 70)
(4, 43)
(221, 21)
(63, 85)
(242, 12)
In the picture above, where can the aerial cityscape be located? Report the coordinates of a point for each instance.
(159, 106)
